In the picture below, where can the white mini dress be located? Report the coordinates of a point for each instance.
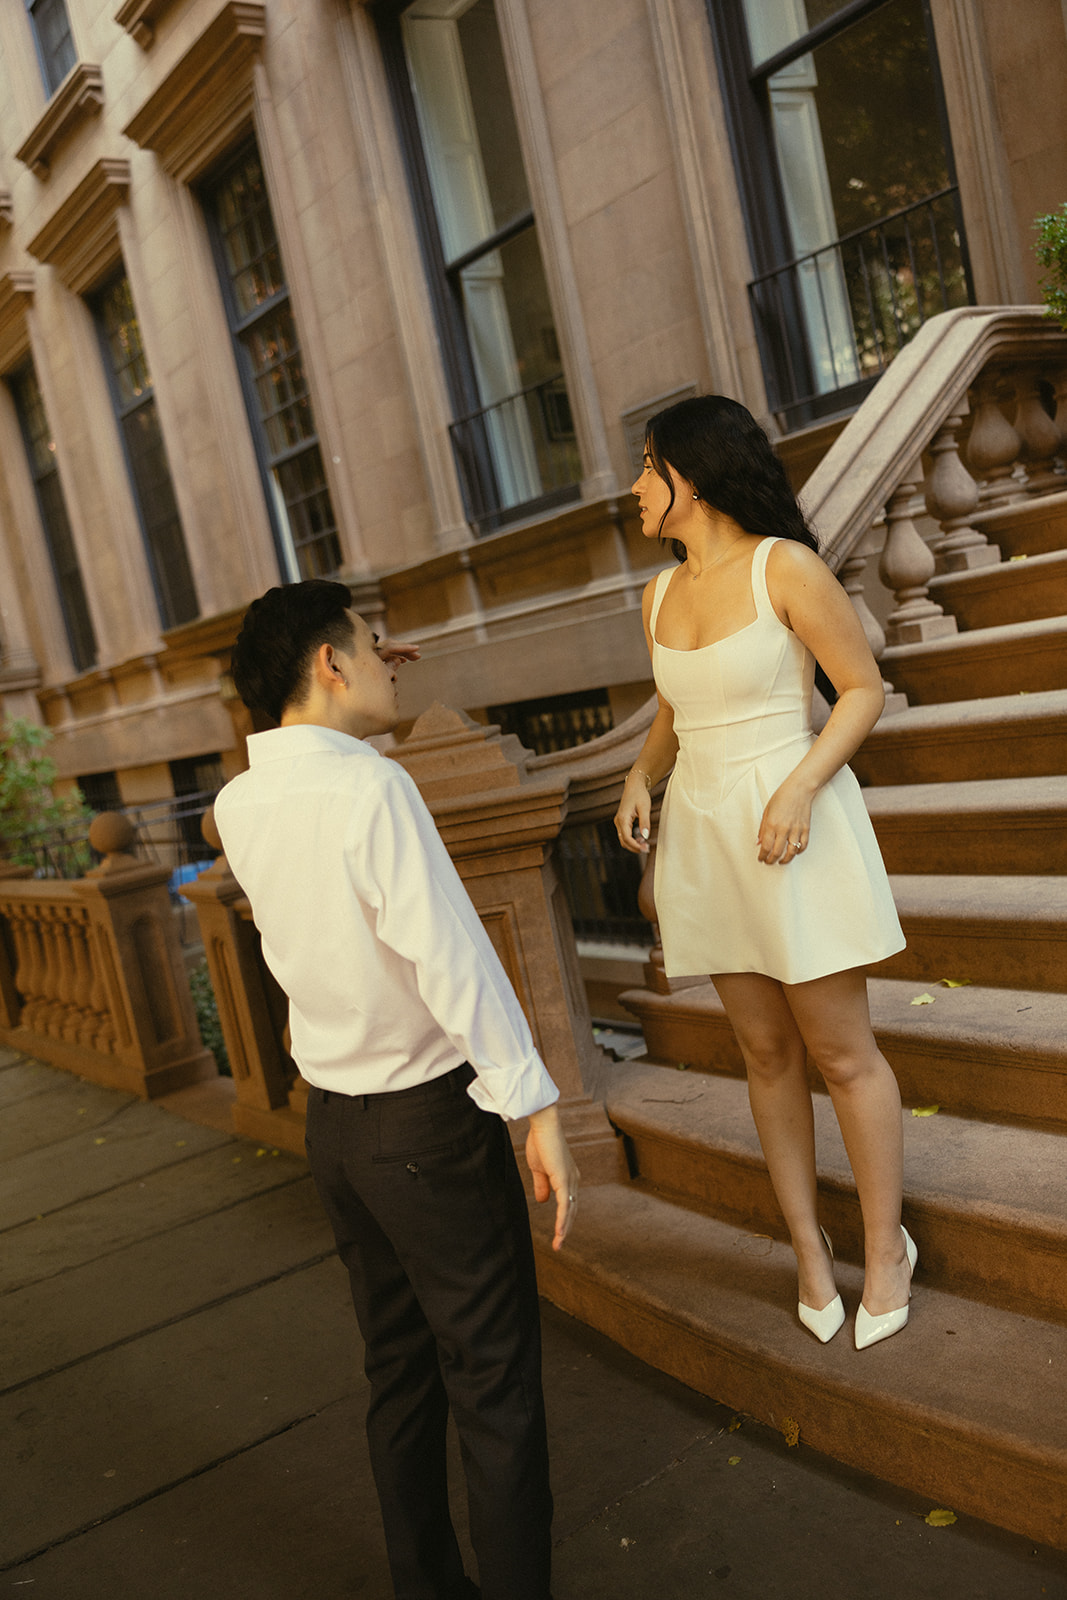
(742, 714)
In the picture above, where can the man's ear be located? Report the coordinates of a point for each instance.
(327, 668)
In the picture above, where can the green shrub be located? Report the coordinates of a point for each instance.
(29, 811)
(1051, 252)
(207, 1016)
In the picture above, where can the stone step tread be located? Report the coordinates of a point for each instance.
(1027, 796)
(1015, 1024)
(1022, 898)
(977, 640)
(1012, 1178)
(736, 1292)
(1011, 570)
(960, 717)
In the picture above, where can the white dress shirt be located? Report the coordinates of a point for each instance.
(391, 978)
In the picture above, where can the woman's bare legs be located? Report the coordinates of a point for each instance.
(778, 1093)
(833, 1017)
(776, 1025)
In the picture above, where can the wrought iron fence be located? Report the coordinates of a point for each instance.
(601, 880)
(830, 322)
(519, 451)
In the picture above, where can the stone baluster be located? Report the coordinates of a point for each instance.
(993, 448)
(51, 1005)
(1041, 438)
(100, 1028)
(18, 994)
(30, 978)
(951, 498)
(852, 581)
(66, 1012)
(82, 981)
(1059, 386)
(906, 567)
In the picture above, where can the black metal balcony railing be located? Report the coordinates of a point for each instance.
(518, 454)
(601, 880)
(830, 322)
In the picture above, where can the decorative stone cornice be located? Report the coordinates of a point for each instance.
(16, 292)
(7, 209)
(207, 98)
(139, 17)
(81, 238)
(79, 96)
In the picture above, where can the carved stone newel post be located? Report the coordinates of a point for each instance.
(499, 823)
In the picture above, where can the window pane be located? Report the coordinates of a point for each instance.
(159, 515)
(128, 362)
(302, 483)
(276, 388)
(774, 25)
(54, 40)
(466, 121)
(40, 449)
(279, 378)
(248, 240)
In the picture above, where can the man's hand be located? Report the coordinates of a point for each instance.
(394, 654)
(552, 1166)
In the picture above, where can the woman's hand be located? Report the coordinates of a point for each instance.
(635, 806)
(786, 823)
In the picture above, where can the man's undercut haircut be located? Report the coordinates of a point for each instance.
(279, 638)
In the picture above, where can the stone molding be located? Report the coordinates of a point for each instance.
(81, 238)
(79, 97)
(139, 18)
(207, 98)
(16, 293)
(7, 208)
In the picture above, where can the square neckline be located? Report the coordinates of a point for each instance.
(697, 649)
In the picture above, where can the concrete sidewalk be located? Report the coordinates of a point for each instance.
(183, 1397)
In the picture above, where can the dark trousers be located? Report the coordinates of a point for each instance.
(430, 1218)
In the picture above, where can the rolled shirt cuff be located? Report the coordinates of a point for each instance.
(513, 1095)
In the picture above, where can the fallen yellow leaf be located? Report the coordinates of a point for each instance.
(734, 1424)
(923, 1000)
(956, 983)
(940, 1518)
(100, 1141)
(925, 1111)
(791, 1430)
(734, 1461)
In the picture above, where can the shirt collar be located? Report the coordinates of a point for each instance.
(302, 739)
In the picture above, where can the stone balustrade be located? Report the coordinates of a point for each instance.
(91, 973)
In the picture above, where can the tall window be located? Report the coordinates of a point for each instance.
(41, 454)
(52, 36)
(272, 369)
(138, 417)
(842, 150)
(513, 434)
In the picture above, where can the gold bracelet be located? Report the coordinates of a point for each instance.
(647, 777)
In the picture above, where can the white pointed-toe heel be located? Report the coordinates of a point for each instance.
(825, 1323)
(869, 1329)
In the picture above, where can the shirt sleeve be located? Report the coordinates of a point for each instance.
(403, 873)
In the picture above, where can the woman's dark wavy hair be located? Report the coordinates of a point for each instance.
(279, 636)
(719, 447)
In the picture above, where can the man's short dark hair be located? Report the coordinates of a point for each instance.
(279, 637)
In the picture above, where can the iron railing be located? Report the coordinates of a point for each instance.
(601, 880)
(519, 452)
(830, 322)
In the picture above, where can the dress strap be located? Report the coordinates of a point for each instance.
(759, 576)
(658, 592)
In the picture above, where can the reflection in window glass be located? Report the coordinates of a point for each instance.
(268, 346)
(55, 46)
(135, 407)
(41, 452)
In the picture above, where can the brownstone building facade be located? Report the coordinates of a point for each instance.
(386, 290)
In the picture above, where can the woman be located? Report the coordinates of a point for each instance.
(767, 874)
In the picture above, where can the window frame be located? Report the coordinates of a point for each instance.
(443, 279)
(70, 585)
(746, 98)
(44, 59)
(241, 324)
(122, 412)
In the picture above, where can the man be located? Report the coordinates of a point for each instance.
(405, 1025)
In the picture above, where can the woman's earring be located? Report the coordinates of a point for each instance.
(695, 495)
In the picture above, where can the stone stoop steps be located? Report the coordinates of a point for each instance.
(686, 1264)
